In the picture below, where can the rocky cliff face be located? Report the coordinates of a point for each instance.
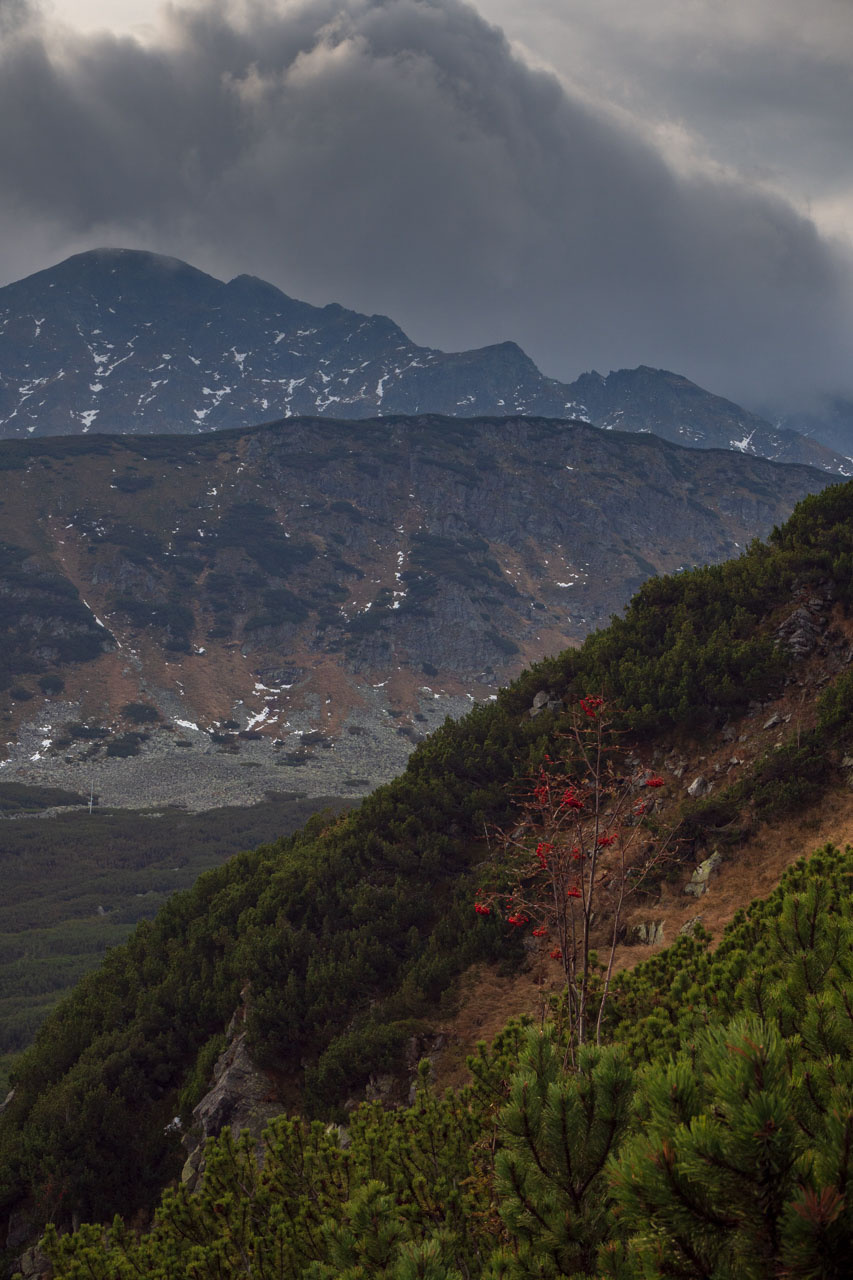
(240, 1097)
(301, 583)
(123, 341)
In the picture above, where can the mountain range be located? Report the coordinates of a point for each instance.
(117, 340)
(324, 590)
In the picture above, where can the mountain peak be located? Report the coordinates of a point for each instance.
(107, 260)
(125, 338)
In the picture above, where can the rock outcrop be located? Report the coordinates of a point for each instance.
(802, 631)
(648, 932)
(697, 885)
(241, 1097)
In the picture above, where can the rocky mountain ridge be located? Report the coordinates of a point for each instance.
(327, 591)
(118, 340)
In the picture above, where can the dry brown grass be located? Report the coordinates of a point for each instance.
(488, 1001)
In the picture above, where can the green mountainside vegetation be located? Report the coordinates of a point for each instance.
(350, 935)
(709, 1135)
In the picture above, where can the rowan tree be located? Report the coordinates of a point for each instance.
(580, 848)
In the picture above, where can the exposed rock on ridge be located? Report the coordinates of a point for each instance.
(241, 1097)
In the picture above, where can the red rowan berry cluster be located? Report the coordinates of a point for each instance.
(568, 862)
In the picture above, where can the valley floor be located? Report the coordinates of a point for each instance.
(182, 766)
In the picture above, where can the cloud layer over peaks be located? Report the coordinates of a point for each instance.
(398, 157)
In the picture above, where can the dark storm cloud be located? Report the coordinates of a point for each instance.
(755, 83)
(397, 157)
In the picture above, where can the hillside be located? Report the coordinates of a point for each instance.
(348, 939)
(312, 598)
(708, 1135)
(117, 340)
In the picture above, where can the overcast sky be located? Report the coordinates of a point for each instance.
(605, 182)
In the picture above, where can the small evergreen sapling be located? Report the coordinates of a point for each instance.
(557, 1132)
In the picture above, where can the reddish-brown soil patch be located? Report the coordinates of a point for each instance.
(753, 870)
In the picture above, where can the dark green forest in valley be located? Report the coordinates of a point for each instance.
(707, 1136)
(76, 884)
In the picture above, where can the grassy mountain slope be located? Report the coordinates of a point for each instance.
(350, 933)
